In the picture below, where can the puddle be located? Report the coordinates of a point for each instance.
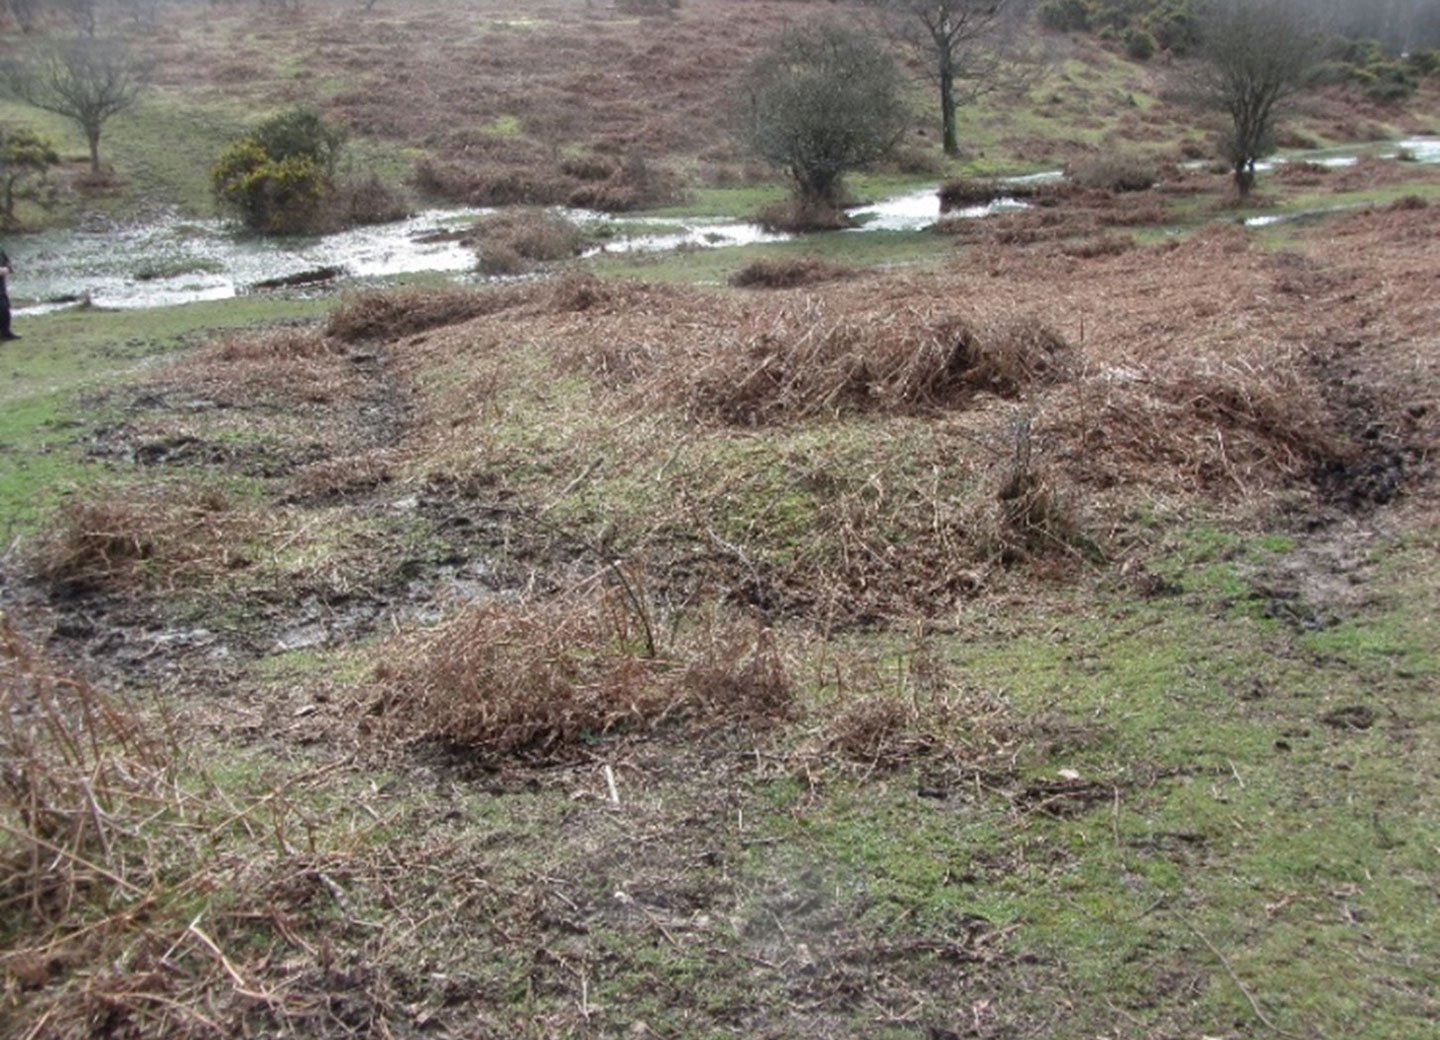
(917, 210)
(657, 234)
(183, 261)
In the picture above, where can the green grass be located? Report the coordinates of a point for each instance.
(1298, 858)
(69, 354)
(872, 249)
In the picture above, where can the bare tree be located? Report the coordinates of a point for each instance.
(971, 48)
(1254, 56)
(23, 11)
(87, 80)
(80, 12)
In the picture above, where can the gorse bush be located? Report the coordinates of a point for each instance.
(1067, 15)
(300, 133)
(276, 196)
(281, 179)
(277, 177)
(1139, 44)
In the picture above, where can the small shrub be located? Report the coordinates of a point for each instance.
(1175, 27)
(280, 178)
(272, 196)
(368, 200)
(589, 167)
(500, 260)
(1067, 15)
(26, 159)
(1392, 81)
(1139, 44)
(1032, 518)
(1424, 63)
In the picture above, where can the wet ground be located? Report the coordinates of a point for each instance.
(177, 260)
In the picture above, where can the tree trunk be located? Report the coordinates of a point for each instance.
(92, 137)
(1244, 178)
(951, 138)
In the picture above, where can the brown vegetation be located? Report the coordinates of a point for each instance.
(1115, 172)
(512, 241)
(390, 316)
(288, 366)
(812, 361)
(540, 681)
(76, 770)
(965, 192)
(789, 273)
(121, 541)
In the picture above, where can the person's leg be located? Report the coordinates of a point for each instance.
(5, 332)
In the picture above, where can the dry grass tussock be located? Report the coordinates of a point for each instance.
(817, 360)
(138, 896)
(1114, 172)
(142, 538)
(1203, 363)
(889, 730)
(540, 681)
(284, 367)
(75, 769)
(910, 710)
(388, 315)
(789, 273)
(512, 242)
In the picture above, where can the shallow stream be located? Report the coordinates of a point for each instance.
(179, 260)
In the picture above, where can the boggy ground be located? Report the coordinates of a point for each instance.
(1037, 647)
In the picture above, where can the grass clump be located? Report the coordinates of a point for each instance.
(75, 768)
(513, 242)
(294, 366)
(808, 363)
(541, 681)
(798, 216)
(121, 541)
(1114, 172)
(388, 314)
(788, 272)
